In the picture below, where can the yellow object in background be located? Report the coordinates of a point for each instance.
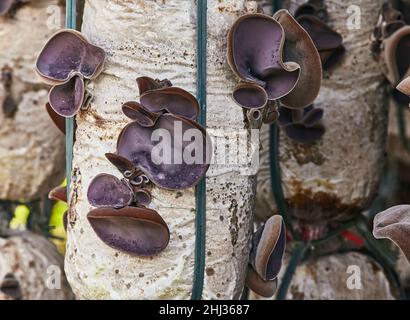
(20, 218)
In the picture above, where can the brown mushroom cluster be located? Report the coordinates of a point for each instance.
(121, 218)
(67, 62)
(278, 65)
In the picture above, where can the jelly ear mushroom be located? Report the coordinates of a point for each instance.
(106, 190)
(125, 166)
(148, 154)
(300, 48)
(268, 247)
(394, 224)
(58, 194)
(67, 99)
(68, 53)
(263, 288)
(255, 47)
(137, 112)
(133, 230)
(171, 100)
(328, 42)
(5, 6)
(147, 84)
(59, 121)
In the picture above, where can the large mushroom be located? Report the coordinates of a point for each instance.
(134, 230)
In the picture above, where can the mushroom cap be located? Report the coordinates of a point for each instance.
(328, 42)
(394, 224)
(396, 55)
(133, 230)
(143, 197)
(137, 112)
(10, 287)
(5, 6)
(268, 247)
(58, 194)
(250, 96)
(66, 99)
(106, 190)
(172, 100)
(66, 54)
(147, 84)
(164, 164)
(121, 163)
(255, 47)
(300, 48)
(263, 288)
(58, 120)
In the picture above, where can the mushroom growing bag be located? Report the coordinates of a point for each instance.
(157, 39)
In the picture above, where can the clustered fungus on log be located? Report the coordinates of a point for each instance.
(258, 45)
(121, 218)
(9, 7)
(66, 62)
(268, 247)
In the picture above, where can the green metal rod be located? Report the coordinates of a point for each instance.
(200, 219)
(71, 9)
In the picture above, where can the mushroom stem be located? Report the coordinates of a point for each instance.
(255, 118)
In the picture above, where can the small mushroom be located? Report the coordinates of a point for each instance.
(142, 197)
(300, 49)
(126, 167)
(58, 120)
(394, 224)
(65, 62)
(263, 288)
(133, 230)
(10, 286)
(268, 247)
(171, 100)
(137, 112)
(167, 167)
(147, 84)
(313, 16)
(66, 99)
(106, 190)
(58, 194)
(303, 126)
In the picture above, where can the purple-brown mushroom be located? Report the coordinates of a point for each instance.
(404, 86)
(10, 287)
(65, 62)
(300, 49)
(106, 190)
(58, 194)
(268, 247)
(134, 230)
(255, 53)
(171, 100)
(147, 84)
(58, 120)
(394, 224)
(263, 288)
(174, 153)
(313, 16)
(303, 126)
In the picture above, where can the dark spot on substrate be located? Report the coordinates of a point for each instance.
(210, 272)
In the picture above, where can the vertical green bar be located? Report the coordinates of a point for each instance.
(200, 219)
(69, 122)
